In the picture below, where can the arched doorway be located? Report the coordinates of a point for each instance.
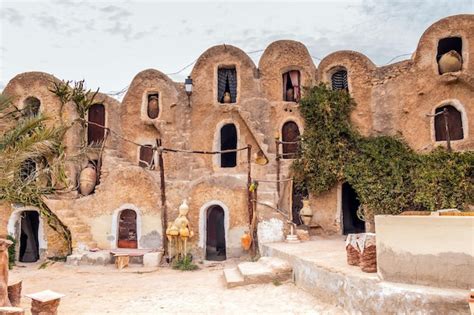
(228, 137)
(127, 229)
(215, 234)
(28, 237)
(96, 116)
(448, 120)
(350, 205)
(290, 133)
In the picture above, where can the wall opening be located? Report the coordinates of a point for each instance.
(146, 156)
(31, 106)
(215, 234)
(127, 229)
(228, 137)
(350, 205)
(300, 193)
(450, 122)
(339, 80)
(449, 54)
(96, 116)
(291, 86)
(29, 240)
(290, 133)
(28, 170)
(153, 109)
(227, 85)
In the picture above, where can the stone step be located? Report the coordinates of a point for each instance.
(233, 277)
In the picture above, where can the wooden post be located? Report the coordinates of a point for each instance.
(164, 214)
(277, 147)
(290, 215)
(4, 244)
(249, 182)
(446, 125)
(253, 225)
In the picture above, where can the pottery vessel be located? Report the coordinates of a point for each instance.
(450, 62)
(87, 180)
(306, 213)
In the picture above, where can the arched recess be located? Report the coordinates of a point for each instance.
(339, 80)
(228, 140)
(26, 226)
(31, 106)
(203, 223)
(96, 118)
(290, 134)
(129, 240)
(448, 121)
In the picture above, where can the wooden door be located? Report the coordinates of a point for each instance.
(454, 124)
(127, 229)
(95, 133)
(290, 133)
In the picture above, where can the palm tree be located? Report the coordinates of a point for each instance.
(31, 157)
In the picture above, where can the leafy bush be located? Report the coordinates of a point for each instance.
(387, 175)
(185, 264)
(11, 252)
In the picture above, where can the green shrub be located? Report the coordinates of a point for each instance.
(185, 264)
(11, 252)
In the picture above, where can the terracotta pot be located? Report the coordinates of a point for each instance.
(246, 241)
(184, 208)
(290, 95)
(153, 108)
(227, 98)
(450, 62)
(306, 213)
(87, 180)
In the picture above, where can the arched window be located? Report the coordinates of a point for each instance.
(449, 54)
(227, 85)
(153, 109)
(31, 106)
(291, 86)
(448, 121)
(339, 80)
(290, 135)
(146, 156)
(228, 141)
(95, 133)
(27, 170)
(127, 229)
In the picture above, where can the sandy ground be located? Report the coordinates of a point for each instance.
(105, 290)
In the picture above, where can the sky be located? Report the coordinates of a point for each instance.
(108, 42)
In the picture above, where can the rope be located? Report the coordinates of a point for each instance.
(204, 152)
(273, 181)
(288, 142)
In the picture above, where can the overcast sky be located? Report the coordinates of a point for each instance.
(108, 42)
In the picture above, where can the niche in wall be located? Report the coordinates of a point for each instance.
(339, 80)
(146, 156)
(291, 86)
(153, 105)
(31, 106)
(227, 85)
(449, 54)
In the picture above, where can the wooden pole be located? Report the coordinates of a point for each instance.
(164, 214)
(277, 148)
(446, 125)
(291, 208)
(253, 225)
(249, 182)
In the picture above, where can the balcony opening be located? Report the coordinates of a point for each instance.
(339, 80)
(291, 86)
(226, 85)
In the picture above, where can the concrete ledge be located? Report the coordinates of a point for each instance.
(320, 268)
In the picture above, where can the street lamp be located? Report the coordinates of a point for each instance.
(188, 87)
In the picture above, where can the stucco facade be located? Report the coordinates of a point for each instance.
(393, 99)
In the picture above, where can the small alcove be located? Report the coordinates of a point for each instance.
(31, 106)
(227, 85)
(153, 105)
(339, 80)
(146, 156)
(449, 54)
(291, 86)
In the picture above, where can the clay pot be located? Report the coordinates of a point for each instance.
(184, 232)
(290, 95)
(306, 213)
(450, 62)
(87, 180)
(246, 241)
(227, 98)
(173, 231)
(153, 108)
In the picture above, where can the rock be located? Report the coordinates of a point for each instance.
(152, 259)
(303, 235)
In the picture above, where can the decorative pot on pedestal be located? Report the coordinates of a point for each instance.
(306, 213)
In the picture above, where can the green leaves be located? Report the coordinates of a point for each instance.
(388, 176)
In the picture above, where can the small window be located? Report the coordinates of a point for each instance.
(27, 170)
(290, 136)
(146, 156)
(153, 108)
(291, 86)
(95, 128)
(448, 121)
(228, 141)
(31, 106)
(226, 85)
(339, 80)
(449, 55)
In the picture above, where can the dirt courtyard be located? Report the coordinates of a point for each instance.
(105, 290)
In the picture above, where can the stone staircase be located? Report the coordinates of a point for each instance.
(256, 130)
(81, 233)
(265, 270)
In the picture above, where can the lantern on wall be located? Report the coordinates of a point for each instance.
(188, 87)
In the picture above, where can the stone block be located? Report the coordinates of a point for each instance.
(152, 259)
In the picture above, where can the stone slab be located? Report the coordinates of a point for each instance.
(233, 277)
